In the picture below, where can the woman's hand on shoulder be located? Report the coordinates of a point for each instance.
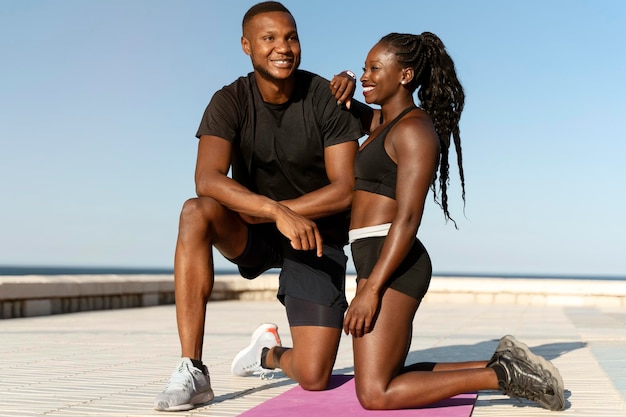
(343, 86)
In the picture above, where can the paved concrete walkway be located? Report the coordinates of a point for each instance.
(114, 362)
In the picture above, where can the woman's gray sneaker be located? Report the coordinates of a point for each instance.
(522, 374)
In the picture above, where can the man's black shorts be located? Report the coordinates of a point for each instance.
(303, 274)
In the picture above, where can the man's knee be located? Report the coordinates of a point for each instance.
(315, 350)
(197, 219)
(202, 215)
(196, 209)
(314, 380)
(314, 375)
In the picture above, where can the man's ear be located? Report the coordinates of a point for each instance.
(245, 45)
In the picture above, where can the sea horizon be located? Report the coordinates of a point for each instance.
(24, 270)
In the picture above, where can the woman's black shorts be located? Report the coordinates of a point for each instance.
(412, 276)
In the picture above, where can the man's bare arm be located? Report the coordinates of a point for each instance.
(212, 165)
(336, 196)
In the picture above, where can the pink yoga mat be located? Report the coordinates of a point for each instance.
(340, 400)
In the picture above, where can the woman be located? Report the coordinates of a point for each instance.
(395, 167)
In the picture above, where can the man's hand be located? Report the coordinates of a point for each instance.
(342, 86)
(301, 232)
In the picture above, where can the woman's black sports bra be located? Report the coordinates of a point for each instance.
(374, 170)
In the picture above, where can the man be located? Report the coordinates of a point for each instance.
(291, 149)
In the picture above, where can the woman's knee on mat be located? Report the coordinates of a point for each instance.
(372, 396)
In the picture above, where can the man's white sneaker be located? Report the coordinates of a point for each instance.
(248, 361)
(187, 387)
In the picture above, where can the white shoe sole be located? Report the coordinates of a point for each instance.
(265, 328)
(200, 398)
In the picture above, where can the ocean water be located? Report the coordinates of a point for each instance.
(82, 270)
(85, 270)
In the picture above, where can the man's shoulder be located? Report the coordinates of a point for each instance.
(241, 84)
(313, 86)
(234, 94)
(311, 77)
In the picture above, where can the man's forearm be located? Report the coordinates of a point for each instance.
(237, 198)
(323, 202)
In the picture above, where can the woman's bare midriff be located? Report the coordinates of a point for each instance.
(369, 209)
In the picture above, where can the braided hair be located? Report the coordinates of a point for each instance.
(440, 94)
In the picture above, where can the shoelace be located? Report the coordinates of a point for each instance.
(181, 379)
(266, 375)
(256, 369)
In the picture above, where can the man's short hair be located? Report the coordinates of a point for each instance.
(264, 7)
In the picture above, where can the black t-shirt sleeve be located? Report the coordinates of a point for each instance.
(221, 116)
(338, 124)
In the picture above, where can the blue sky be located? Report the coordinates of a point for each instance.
(100, 101)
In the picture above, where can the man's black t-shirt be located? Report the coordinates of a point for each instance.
(278, 150)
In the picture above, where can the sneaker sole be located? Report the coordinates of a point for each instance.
(245, 351)
(508, 343)
(201, 398)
